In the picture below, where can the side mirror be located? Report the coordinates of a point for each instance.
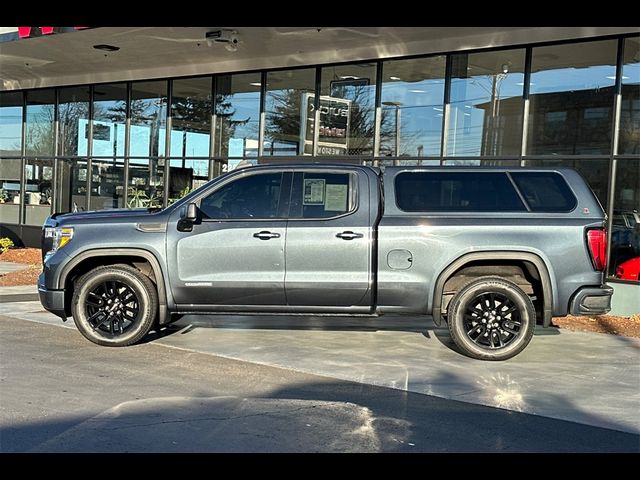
(191, 213)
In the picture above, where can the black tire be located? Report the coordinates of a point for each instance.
(114, 305)
(477, 327)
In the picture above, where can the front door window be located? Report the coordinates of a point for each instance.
(252, 197)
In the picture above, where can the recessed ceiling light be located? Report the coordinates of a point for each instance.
(106, 48)
(395, 78)
(438, 109)
(417, 91)
(613, 77)
(468, 106)
(348, 77)
(255, 84)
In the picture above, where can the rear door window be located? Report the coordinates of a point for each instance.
(322, 194)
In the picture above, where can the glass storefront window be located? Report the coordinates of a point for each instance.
(38, 176)
(148, 119)
(289, 112)
(40, 122)
(199, 167)
(146, 182)
(572, 98)
(347, 110)
(10, 190)
(238, 115)
(73, 114)
(71, 187)
(490, 162)
(107, 184)
(109, 120)
(412, 107)
(186, 175)
(624, 261)
(486, 103)
(10, 123)
(594, 170)
(629, 142)
(191, 117)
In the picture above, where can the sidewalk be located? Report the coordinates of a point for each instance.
(21, 293)
(8, 267)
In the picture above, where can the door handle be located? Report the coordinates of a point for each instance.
(265, 235)
(348, 235)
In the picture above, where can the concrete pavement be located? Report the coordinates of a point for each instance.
(61, 393)
(20, 293)
(587, 378)
(7, 267)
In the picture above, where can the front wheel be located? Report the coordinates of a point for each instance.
(114, 305)
(491, 318)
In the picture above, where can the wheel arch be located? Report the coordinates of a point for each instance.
(119, 254)
(497, 255)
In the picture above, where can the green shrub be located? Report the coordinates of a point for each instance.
(5, 244)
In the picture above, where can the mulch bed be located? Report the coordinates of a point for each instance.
(28, 276)
(626, 326)
(30, 256)
(27, 256)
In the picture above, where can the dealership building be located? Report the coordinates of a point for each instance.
(115, 117)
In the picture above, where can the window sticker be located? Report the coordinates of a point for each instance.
(336, 198)
(314, 191)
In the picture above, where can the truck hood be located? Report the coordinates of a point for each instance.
(116, 215)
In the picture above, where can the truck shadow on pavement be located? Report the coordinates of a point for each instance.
(392, 323)
(322, 416)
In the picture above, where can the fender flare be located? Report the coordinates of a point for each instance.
(138, 252)
(545, 279)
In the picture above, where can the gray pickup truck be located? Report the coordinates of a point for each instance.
(492, 251)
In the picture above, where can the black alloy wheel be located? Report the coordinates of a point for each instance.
(491, 318)
(114, 305)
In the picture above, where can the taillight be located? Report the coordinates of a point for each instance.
(597, 242)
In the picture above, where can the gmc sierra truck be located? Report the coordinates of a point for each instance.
(491, 251)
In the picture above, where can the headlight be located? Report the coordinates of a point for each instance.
(58, 236)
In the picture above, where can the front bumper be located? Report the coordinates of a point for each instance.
(51, 300)
(591, 301)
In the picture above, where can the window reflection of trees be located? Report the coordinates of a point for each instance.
(284, 121)
(70, 114)
(39, 133)
(227, 123)
(191, 114)
(361, 122)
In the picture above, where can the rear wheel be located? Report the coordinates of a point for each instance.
(491, 318)
(114, 305)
